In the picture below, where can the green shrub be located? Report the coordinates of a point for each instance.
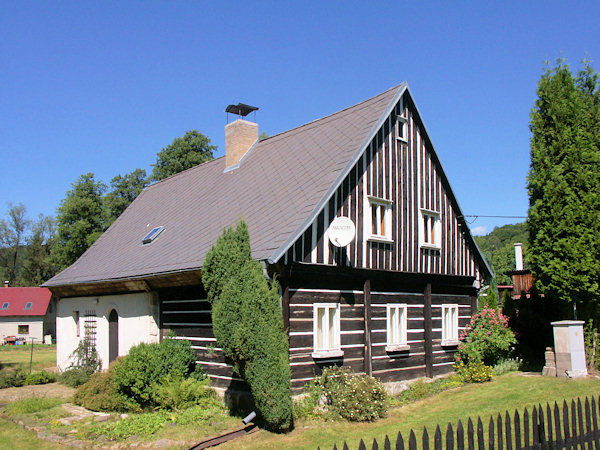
(74, 377)
(248, 324)
(506, 366)
(41, 377)
(32, 405)
(100, 393)
(141, 425)
(207, 408)
(487, 338)
(85, 357)
(474, 372)
(420, 389)
(12, 378)
(176, 393)
(358, 398)
(147, 364)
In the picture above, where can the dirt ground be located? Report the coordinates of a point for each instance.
(41, 390)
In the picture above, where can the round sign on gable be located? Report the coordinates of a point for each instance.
(341, 231)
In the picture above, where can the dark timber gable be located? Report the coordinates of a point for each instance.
(399, 165)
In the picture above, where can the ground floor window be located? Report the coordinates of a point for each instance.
(449, 324)
(326, 329)
(23, 329)
(396, 327)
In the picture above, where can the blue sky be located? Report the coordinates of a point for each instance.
(102, 86)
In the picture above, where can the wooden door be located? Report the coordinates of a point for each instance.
(113, 336)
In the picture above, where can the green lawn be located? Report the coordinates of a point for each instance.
(508, 392)
(18, 356)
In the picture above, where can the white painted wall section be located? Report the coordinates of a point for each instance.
(138, 322)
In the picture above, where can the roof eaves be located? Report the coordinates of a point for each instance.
(341, 176)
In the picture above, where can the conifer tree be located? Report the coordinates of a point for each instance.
(564, 187)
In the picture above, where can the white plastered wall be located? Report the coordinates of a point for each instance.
(9, 326)
(138, 322)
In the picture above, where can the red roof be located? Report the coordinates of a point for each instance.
(24, 301)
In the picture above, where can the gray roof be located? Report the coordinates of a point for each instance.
(279, 186)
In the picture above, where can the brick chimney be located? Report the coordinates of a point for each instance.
(240, 135)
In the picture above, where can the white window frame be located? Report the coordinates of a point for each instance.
(383, 206)
(402, 129)
(397, 326)
(329, 349)
(430, 233)
(450, 324)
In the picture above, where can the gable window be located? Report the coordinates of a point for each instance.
(28, 305)
(326, 330)
(449, 324)
(402, 128)
(380, 219)
(23, 329)
(397, 327)
(5, 305)
(430, 230)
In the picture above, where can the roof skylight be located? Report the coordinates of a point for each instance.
(28, 305)
(5, 305)
(152, 235)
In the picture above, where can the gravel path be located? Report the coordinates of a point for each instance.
(41, 390)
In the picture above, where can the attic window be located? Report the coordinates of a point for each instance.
(5, 305)
(152, 235)
(28, 305)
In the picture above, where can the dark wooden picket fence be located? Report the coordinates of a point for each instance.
(544, 428)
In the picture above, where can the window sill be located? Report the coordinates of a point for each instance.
(450, 343)
(380, 239)
(327, 354)
(397, 348)
(401, 139)
(430, 247)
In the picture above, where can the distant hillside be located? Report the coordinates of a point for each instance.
(498, 247)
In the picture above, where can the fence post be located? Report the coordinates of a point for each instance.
(573, 422)
(425, 439)
(437, 439)
(499, 430)
(460, 436)
(526, 440)
(386, 443)
(470, 435)
(508, 431)
(480, 440)
(549, 422)
(517, 423)
(399, 442)
(595, 423)
(412, 441)
(491, 442)
(535, 430)
(588, 423)
(449, 437)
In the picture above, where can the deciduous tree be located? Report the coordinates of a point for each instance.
(124, 190)
(184, 152)
(79, 219)
(12, 237)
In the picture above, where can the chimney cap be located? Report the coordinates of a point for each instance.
(241, 109)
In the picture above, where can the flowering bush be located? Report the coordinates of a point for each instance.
(474, 372)
(357, 398)
(487, 338)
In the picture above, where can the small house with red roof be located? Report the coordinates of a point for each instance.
(26, 313)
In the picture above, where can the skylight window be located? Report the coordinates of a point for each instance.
(152, 235)
(28, 305)
(5, 305)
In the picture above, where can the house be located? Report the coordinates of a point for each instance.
(384, 291)
(26, 313)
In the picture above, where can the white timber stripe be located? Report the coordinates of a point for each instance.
(327, 291)
(293, 319)
(185, 338)
(186, 324)
(326, 234)
(409, 353)
(443, 364)
(200, 347)
(186, 301)
(313, 253)
(381, 344)
(365, 206)
(399, 369)
(384, 305)
(202, 311)
(301, 333)
(310, 305)
(221, 377)
(451, 295)
(351, 332)
(301, 349)
(397, 293)
(213, 363)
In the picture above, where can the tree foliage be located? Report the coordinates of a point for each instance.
(564, 187)
(183, 153)
(38, 266)
(248, 324)
(124, 190)
(12, 236)
(499, 251)
(80, 220)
